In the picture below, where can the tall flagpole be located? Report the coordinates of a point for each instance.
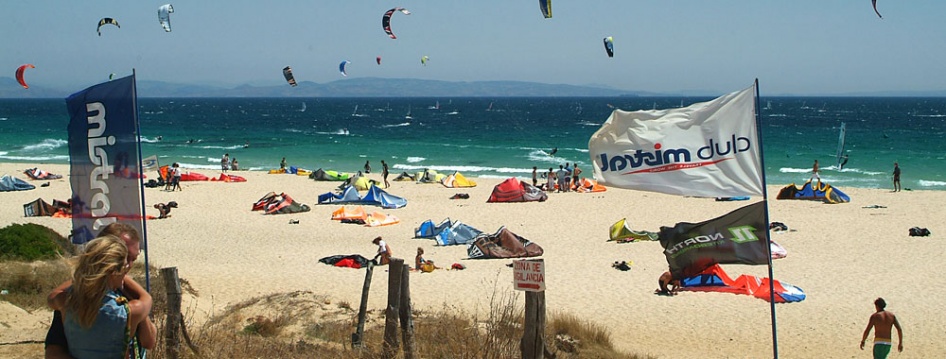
(141, 184)
(768, 234)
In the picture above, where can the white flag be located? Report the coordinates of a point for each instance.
(709, 149)
(149, 163)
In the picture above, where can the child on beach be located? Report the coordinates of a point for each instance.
(423, 265)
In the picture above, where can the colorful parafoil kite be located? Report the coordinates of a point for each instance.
(287, 72)
(106, 20)
(423, 60)
(341, 67)
(874, 2)
(164, 16)
(379, 60)
(546, 7)
(19, 74)
(386, 20)
(609, 46)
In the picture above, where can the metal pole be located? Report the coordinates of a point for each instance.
(768, 234)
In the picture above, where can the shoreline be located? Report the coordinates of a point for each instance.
(843, 256)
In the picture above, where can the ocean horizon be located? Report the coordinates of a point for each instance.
(492, 137)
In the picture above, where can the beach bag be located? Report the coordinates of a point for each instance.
(427, 267)
(919, 232)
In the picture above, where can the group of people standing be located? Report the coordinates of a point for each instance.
(230, 164)
(558, 181)
(815, 169)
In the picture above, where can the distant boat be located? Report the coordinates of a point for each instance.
(454, 112)
(768, 105)
(435, 107)
(490, 108)
(408, 116)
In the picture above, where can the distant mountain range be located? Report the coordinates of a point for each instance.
(360, 87)
(385, 87)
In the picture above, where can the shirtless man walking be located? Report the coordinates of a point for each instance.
(881, 321)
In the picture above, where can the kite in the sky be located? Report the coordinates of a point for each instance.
(875, 8)
(164, 16)
(546, 7)
(287, 72)
(379, 60)
(19, 74)
(341, 67)
(106, 20)
(386, 20)
(609, 46)
(423, 60)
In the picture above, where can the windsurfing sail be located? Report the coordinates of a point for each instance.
(609, 45)
(874, 2)
(164, 16)
(386, 20)
(341, 67)
(840, 154)
(103, 22)
(19, 74)
(287, 73)
(546, 7)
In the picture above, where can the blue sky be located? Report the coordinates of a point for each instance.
(794, 47)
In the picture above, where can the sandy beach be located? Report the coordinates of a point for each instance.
(843, 256)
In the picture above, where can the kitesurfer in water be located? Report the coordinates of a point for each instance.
(844, 162)
(552, 153)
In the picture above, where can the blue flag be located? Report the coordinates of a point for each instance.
(104, 158)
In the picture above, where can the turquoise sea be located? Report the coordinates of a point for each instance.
(491, 137)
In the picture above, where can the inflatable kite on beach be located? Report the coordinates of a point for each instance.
(874, 2)
(386, 20)
(609, 46)
(103, 22)
(164, 16)
(19, 74)
(546, 7)
(287, 73)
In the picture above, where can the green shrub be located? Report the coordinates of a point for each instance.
(29, 242)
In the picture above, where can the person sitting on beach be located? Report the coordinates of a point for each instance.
(668, 285)
(422, 264)
(282, 164)
(384, 251)
(99, 321)
(234, 166)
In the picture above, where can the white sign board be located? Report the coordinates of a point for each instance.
(529, 275)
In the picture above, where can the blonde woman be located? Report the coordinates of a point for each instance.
(99, 321)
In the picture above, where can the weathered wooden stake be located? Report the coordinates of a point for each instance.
(533, 336)
(406, 313)
(357, 337)
(391, 343)
(172, 328)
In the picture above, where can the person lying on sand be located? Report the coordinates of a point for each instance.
(165, 209)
